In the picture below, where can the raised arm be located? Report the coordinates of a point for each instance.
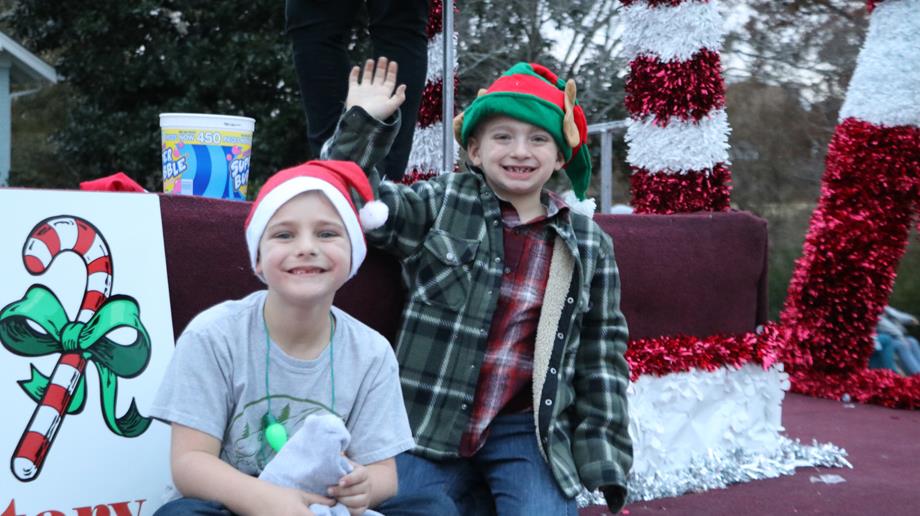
(375, 90)
(374, 93)
(364, 135)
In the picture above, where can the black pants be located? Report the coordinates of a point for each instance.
(320, 30)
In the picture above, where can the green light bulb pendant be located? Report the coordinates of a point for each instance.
(275, 434)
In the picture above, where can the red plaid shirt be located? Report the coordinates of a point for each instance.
(506, 375)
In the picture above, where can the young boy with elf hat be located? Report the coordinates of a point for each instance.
(511, 347)
(247, 373)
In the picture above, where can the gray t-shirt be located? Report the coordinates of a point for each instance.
(216, 384)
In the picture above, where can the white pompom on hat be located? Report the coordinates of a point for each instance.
(335, 179)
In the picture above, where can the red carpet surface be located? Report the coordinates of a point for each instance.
(882, 444)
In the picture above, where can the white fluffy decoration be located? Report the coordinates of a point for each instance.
(586, 207)
(427, 145)
(681, 146)
(436, 57)
(682, 417)
(373, 215)
(671, 32)
(427, 149)
(885, 88)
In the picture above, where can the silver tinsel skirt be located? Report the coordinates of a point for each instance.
(720, 469)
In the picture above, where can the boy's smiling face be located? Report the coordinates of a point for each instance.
(305, 253)
(517, 158)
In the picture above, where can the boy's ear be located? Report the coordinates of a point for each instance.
(560, 160)
(258, 267)
(472, 151)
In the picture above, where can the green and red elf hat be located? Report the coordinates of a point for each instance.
(530, 92)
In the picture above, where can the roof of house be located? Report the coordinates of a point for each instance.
(26, 66)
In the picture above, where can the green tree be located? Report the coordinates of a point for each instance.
(123, 63)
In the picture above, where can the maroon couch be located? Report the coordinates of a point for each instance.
(696, 274)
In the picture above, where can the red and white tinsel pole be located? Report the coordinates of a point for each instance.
(675, 95)
(426, 157)
(870, 194)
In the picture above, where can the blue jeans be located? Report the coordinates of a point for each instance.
(192, 507)
(509, 466)
(908, 350)
(910, 355)
(426, 504)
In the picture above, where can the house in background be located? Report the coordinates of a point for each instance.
(25, 72)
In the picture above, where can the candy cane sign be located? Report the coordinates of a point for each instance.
(38, 325)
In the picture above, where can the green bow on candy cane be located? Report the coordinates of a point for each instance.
(40, 308)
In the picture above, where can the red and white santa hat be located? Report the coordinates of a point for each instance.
(335, 179)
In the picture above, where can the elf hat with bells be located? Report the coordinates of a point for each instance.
(531, 93)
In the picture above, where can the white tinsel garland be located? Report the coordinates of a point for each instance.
(436, 58)
(427, 142)
(694, 431)
(679, 147)
(427, 148)
(885, 88)
(671, 32)
(720, 469)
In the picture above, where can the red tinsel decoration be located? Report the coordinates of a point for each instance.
(417, 175)
(680, 193)
(690, 90)
(431, 102)
(876, 386)
(435, 18)
(680, 353)
(656, 3)
(686, 89)
(429, 110)
(857, 236)
(673, 354)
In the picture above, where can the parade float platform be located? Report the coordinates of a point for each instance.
(688, 275)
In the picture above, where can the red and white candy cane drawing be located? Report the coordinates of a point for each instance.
(60, 234)
(38, 325)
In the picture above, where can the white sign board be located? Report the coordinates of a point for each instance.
(85, 337)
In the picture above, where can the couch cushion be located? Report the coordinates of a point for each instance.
(697, 274)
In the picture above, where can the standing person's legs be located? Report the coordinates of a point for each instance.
(914, 347)
(319, 32)
(397, 30)
(883, 358)
(428, 487)
(520, 479)
(910, 363)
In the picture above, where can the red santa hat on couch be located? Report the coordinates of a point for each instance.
(336, 180)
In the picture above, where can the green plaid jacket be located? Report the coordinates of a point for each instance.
(447, 232)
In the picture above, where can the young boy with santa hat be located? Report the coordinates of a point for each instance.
(246, 373)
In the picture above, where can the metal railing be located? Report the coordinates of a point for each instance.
(607, 131)
(447, 91)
